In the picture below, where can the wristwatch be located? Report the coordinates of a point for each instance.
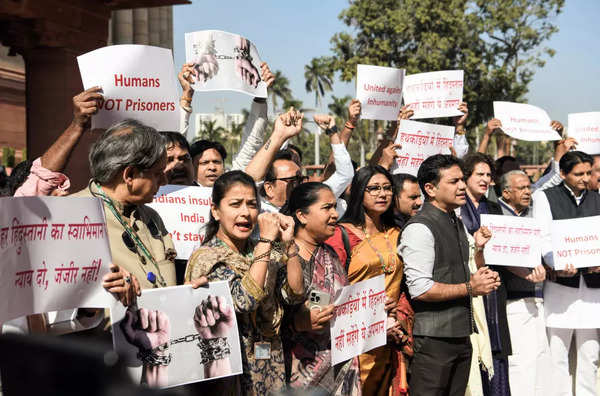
(331, 131)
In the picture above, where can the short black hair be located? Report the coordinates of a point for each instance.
(175, 139)
(280, 155)
(572, 158)
(200, 146)
(400, 178)
(296, 149)
(472, 159)
(430, 169)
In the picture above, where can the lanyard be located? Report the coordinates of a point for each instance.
(135, 238)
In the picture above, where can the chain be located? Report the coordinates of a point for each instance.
(186, 339)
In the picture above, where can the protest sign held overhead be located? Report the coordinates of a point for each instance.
(360, 320)
(576, 241)
(138, 81)
(54, 254)
(516, 241)
(379, 90)
(420, 141)
(524, 121)
(434, 94)
(224, 61)
(172, 325)
(185, 211)
(585, 128)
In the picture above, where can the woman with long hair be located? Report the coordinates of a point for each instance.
(251, 270)
(366, 242)
(306, 337)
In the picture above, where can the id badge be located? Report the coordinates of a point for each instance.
(262, 350)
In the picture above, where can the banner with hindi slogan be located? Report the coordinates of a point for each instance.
(54, 254)
(516, 241)
(185, 211)
(193, 332)
(434, 94)
(224, 61)
(138, 81)
(576, 241)
(585, 128)
(524, 121)
(360, 321)
(420, 141)
(379, 90)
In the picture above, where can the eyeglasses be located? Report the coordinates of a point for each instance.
(292, 179)
(374, 190)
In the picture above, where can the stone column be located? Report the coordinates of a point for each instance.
(123, 27)
(154, 25)
(164, 27)
(140, 26)
(170, 27)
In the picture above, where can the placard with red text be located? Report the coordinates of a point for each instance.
(360, 320)
(434, 94)
(54, 254)
(524, 121)
(138, 81)
(585, 128)
(419, 141)
(576, 241)
(185, 211)
(516, 241)
(224, 61)
(379, 90)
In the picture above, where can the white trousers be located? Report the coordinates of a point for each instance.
(530, 362)
(588, 351)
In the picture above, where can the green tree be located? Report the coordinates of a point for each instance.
(210, 131)
(339, 107)
(319, 78)
(280, 89)
(498, 43)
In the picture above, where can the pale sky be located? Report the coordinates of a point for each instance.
(289, 34)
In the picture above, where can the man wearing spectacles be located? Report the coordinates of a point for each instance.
(282, 176)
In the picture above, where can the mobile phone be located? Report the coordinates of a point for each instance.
(318, 299)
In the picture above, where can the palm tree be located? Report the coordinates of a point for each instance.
(279, 89)
(319, 78)
(209, 131)
(339, 107)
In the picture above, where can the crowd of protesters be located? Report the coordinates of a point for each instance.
(456, 326)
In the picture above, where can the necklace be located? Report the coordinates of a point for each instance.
(387, 269)
(301, 244)
(136, 239)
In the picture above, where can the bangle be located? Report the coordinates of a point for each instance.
(262, 256)
(295, 251)
(213, 349)
(265, 240)
(349, 125)
(479, 249)
(469, 289)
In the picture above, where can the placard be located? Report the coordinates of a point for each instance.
(576, 241)
(185, 211)
(516, 241)
(419, 141)
(379, 90)
(138, 82)
(434, 94)
(524, 121)
(585, 128)
(224, 61)
(54, 254)
(179, 318)
(360, 320)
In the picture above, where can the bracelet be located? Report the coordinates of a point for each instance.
(261, 256)
(295, 252)
(265, 240)
(150, 357)
(479, 249)
(213, 349)
(349, 125)
(469, 289)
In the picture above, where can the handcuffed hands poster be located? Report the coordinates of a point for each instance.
(224, 61)
(185, 211)
(138, 81)
(379, 90)
(178, 335)
(54, 254)
(434, 94)
(524, 121)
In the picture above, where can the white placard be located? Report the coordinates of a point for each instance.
(420, 141)
(179, 312)
(524, 121)
(360, 320)
(585, 128)
(379, 90)
(515, 241)
(576, 241)
(54, 254)
(224, 61)
(185, 211)
(138, 81)
(434, 94)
